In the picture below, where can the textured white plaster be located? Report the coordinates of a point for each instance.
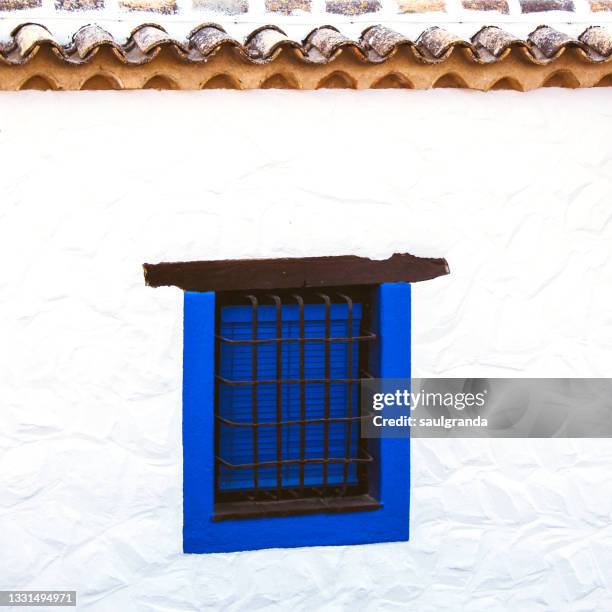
(514, 189)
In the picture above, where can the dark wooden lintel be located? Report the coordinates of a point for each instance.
(254, 274)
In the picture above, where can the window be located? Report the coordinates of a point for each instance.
(287, 403)
(273, 354)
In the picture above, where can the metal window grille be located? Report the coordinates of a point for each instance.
(288, 367)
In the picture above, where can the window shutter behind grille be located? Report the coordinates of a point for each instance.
(235, 444)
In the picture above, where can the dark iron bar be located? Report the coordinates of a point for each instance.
(327, 301)
(279, 390)
(280, 462)
(366, 336)
(349, 408)
(288, 381)
(254, 334)
(302, 334)
(298, 422)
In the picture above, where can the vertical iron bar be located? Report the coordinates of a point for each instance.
(254, 390)
(365, 362)
(300, 302)
(349, 411)
(327, 301)
(279, 392)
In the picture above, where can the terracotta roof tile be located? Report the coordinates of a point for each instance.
(548, 41)
(163, 7)
(381, 42)
(148, 37)
(323, 43)
(437, 42)
(486, 5)
(287, 7)
(79, 5)
(208, 38)
(494, 41)
(600, 5)
(17, 5)
(421, 6)
(597, 39)
(539, 6)
(89, 38)
(30, 37)
(263, 43)
(352, 7)
(227, 7)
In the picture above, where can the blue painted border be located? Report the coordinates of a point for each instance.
(392, 482)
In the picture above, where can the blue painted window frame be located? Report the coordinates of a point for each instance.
(391, 485)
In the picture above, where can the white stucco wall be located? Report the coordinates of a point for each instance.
(515, 190)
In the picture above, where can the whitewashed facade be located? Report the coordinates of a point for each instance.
(512, 189)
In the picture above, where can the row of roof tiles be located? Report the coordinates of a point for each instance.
(292, 7)
(375, 45)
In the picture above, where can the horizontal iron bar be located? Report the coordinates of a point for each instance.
(318, 461)
(299, 422)
(288, 381)
(368, 336)
(291, 492)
